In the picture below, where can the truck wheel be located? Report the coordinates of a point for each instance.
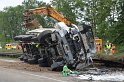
(32, 61)
(21, 57)
(25, 59)
(57, 66)
(43, 34)
(49, 62)
(42, 62)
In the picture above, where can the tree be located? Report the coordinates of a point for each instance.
(119, 27)
(105, 16)
(65, 7)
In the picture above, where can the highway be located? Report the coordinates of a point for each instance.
(13, 75)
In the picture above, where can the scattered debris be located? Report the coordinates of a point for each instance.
(105, 74)
(96, 73)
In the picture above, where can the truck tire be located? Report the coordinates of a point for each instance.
(21, 57)
(57, 66)
(44, 34)
(25, 59)
(32, 61)
(42, 62)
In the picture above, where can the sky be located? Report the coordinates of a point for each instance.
(6, 3)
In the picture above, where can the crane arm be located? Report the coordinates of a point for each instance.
(49, 11)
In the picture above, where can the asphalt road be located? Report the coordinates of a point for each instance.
(12, 75)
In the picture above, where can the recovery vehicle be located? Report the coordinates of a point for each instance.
(55, 47)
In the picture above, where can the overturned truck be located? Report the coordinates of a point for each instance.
(73, 46)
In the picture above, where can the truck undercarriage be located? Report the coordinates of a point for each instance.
(73, 47)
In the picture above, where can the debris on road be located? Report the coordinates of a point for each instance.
(103, 74)
(99, 73)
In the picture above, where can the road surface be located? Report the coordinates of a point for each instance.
(13, 75)
(17, 71)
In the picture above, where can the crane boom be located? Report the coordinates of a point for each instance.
(49, 11)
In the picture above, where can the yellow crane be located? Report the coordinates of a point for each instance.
(49, 11)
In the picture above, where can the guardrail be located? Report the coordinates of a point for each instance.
(15, 55)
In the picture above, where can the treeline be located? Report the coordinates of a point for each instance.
(105, 16)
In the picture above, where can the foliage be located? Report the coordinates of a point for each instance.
(10, 22)
(105, 16)
(43, 20)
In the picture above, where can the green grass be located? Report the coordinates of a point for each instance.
(119, 50)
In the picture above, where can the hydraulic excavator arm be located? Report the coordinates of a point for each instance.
(49, 11)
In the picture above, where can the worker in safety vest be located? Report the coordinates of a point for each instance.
(108, 47)
(113, 49)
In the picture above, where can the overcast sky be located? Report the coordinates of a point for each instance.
(6, 3)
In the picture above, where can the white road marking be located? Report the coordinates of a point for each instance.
(40, 76)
